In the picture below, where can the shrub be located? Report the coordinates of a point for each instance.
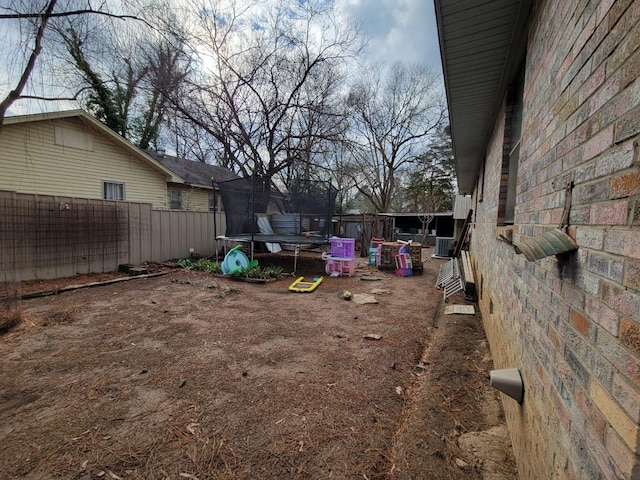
(210, 266)
(258, 272)
(203, 264)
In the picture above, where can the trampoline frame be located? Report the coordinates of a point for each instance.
(296, 240)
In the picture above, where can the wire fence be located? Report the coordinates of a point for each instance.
(50, 233)
(49, 237)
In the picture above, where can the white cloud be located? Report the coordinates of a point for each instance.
(397, 29)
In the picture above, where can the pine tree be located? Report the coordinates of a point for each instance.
(432, 183)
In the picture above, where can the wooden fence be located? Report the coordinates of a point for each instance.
(51, 237)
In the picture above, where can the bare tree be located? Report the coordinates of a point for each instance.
(191, 141)
(168, 65)
(314, 135)
(38, 15)
(40, 24)
(124, 77)
(269, 81)
(108, 99)
(394, 111)
(427, 213)
(431, 185)
(341, 178)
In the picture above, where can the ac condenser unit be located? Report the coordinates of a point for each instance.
(443, 244)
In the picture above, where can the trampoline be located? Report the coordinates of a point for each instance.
(256, 211)
(277, 238)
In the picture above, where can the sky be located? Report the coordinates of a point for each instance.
(396, 30)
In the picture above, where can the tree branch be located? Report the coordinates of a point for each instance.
(71, 13)
(16, 92)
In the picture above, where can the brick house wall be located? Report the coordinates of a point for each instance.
(570, 323)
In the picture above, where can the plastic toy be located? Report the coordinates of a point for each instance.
(234, 261)
(374, 250)
(301, 286)
(338, 266)
(404, 265)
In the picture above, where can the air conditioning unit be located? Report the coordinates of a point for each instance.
(443, 245)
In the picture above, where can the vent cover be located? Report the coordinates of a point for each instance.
(443, 245)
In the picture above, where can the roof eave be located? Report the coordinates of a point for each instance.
(495, 30)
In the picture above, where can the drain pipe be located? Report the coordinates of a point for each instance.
(509, 382)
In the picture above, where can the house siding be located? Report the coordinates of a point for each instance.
(32, 162)
(193, 198)
(571, 323)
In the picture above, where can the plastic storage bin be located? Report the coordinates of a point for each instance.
(343, 247)
(339, 266)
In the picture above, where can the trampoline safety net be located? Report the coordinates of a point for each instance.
(305, 207)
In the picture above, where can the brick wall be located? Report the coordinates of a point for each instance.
(571, 323)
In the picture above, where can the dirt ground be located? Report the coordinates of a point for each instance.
(189, 375)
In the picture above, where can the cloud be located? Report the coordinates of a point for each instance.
(397, 29)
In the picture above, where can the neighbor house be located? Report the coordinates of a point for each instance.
(75, 197)
(196, 191)
(544, 109)
(70, 153)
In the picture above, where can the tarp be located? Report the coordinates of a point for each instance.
(265, 227)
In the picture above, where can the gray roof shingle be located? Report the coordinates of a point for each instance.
(193, 172)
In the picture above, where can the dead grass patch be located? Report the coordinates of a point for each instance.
(193, 376)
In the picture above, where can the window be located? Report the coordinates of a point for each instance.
(113, 191)
(175, 199)
(215, 202)
(511, 150)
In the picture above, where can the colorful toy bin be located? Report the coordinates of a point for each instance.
(343, 247)
(341, 261)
